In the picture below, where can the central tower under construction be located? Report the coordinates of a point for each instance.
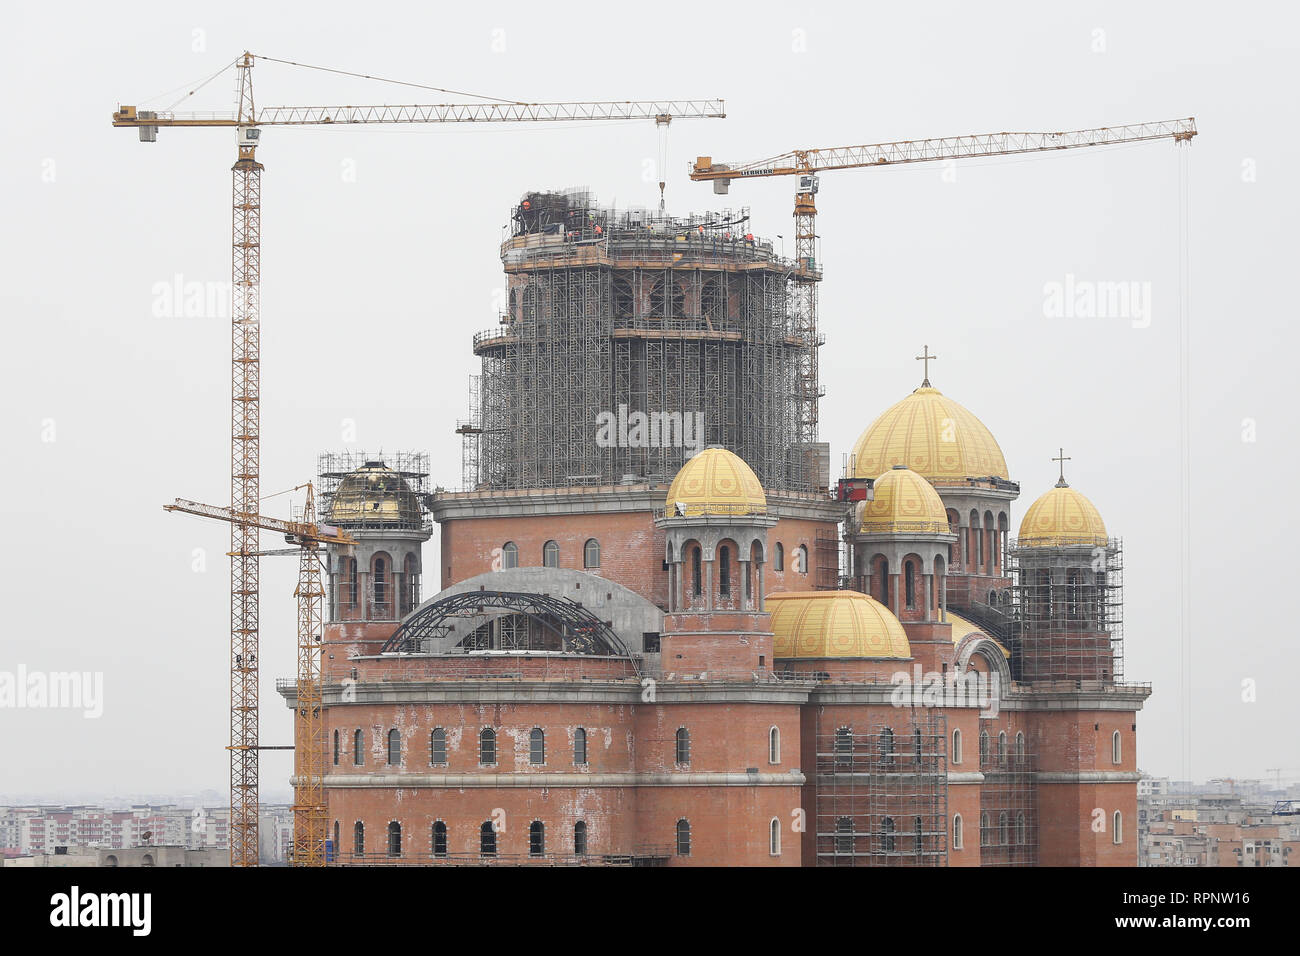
(631, 340)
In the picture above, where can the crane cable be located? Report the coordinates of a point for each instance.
(381, 79)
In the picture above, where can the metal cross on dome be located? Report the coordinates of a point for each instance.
(1061, 458)
(927, 358)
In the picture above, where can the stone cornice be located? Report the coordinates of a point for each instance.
(540, 779)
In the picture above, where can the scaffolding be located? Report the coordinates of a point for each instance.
(882, 797)
(349, 479)
(1008, 826)
(1067, 603)
(632, 340)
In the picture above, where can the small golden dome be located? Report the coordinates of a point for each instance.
(932, 435)
(375, 496)
(715, 482)
(816, 624)
(904, 502)
(1062, 517)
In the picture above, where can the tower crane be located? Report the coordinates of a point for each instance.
(248, 120)
(309, 731)
(807, 163)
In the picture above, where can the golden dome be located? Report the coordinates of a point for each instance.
(815, 624)
(1062, 517)
(904, 502)
(374, 496)
(715, 482)
(932, 435)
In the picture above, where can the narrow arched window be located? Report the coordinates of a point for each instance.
(440, 838)
(334, 849)
(778, 563)
(843, 748)
(509, 556)
(551, 555)
(918, 836)
(394, 839)
(336, 748)
(536, 746)
(724, 571)
(956, 746)
(536, 838)
(352, 581)
(1116, 751)
(1004, 829)
(887, 835)
(803, 559)
(683, 838)
(844, 835)
(774, 746)
(580, 838)
(956, 831)
(986, 838)
(886, 747)
(438, 746)
(1117, 828)
(591, 554)
(1020, 829)
(882, 584)
(1020, 745)
(394, 747)
(697, 575)
(984, 747)
(580, 747)
(487, 839)
(381, 584)
(359, 839)
(487, 747)
(683, 746)
(1002, 747)
(357, 752)
(909, 583)
(774, 837)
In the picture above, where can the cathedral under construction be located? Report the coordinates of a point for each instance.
(662, 634)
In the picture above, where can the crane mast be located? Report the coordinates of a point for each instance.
(245, 427)
(807, 163)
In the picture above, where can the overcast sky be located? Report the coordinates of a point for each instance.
(380, 259)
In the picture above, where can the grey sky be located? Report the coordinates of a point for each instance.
(380, 260)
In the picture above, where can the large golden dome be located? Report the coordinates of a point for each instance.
(816, 624)
(904, 502)
(715, 482)
(1062, 517)
(374, 496)
(933, 436)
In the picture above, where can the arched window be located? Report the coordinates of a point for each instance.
(580, 747)
(697, 575)
(1004, 829)
(487, 839)
(909, 583)
(335, 849)
(886, 747)
(918, 835)
(956, 831)
(956, 746)
(882, 582)
(551, 555)
(487, 747)
(1020, 745)
(591, 554)
(440, 838)
(985, 837)
(774, 837)
(779, 563)
(394, 839)
(536, 747)
(984, 747)
(336, 748)
(774, 746)
(683, 746)
(1020, 828)
(843, 748)
(410, 584)
(1002, 747)
(724, 571)
(802, 559)
(359, 839)
(394, 747)
(352, 581)
(509, 556)
(536, 838)
(844, 835)
(1116, 751)
(887, 834)
(580, 838)
(683, 838)
(358, 754)
(918, 744)
(1117, 828)
(437, 746)
(381, 583)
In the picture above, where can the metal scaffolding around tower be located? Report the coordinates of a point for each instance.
(882, 797)
(1008, 826)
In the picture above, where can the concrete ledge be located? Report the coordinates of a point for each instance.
(498, 781)
(1088, 776)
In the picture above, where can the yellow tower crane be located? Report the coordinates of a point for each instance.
(309, 731)
(807, 163)
(245, 467)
